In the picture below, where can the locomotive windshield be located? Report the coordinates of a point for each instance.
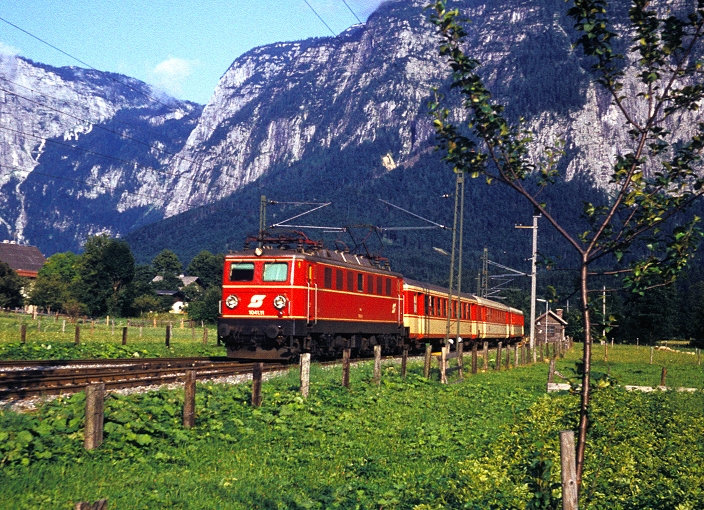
(275, 272)
(242, 272)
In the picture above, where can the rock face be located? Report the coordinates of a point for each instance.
(83, 153)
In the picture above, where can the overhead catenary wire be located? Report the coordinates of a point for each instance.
(109, 75)
(97, 125)
(320, 18)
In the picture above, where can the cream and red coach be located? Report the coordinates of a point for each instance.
(277, 303)
(426, 308)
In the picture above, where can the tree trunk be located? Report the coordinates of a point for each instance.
(586, 359)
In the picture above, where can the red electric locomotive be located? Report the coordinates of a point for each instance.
(291, 295)
(282, 299)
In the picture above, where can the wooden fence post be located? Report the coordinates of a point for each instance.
(541, 349)
(515, 355)
(443, 364)
(651, 354)
(507, 363)
(486, 355)
(606, 352)
(63, 326)
(568, 471)
(377, 365)
(93, 434)
(499, 353)
(205, 336)
(168, 335)
(699, 356)
(189, 400)
(346, 368)
(474, 357)
(551, 371)
(460, 358)
(305, 374)
(124, 335)
(426, 364)
(140, 332)
(101, 504)
(77, 336)
(663, 376)
(257, 369)
(404, 362)
(23, 333)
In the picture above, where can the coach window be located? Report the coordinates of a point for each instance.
(327, 280)
(379, 286)
(242, 272)
(360, 282)
(370, 284)
(415, 303)
(339, 278)
(275, 272)
(350, 281)
(388, 286)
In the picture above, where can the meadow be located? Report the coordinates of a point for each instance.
(490, 441)
(54, 338)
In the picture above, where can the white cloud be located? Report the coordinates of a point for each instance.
(171, 74)
(8, 50)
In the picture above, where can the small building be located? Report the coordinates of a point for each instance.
(25, 260)
(555, 331)
(185, 280)
(179, 299)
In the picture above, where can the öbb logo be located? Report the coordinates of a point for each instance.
(257, 301)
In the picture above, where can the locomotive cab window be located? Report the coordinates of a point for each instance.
(275, 272)
(242, 272)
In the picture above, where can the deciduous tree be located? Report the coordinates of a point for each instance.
(654, 87)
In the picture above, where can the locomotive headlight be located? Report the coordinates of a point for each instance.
(232, 301)
(280, 302)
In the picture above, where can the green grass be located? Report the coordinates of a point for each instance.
(48, 338)
(630, 365)
(491, 441)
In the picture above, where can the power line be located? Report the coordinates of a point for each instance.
(108, 74)
(112, 119)
(350, 9)
(320, 18)
(99, 126)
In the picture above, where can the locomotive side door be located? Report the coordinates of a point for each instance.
(311, 295)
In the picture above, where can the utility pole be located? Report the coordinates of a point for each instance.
(603, 312)
(534, 259)
(262, 218)
(485, 274)
(459, 183)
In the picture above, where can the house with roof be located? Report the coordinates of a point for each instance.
(550, 326)
(25, 260)
(179, 298)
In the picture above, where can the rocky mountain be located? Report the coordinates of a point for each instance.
(82, 152)
(314, 119)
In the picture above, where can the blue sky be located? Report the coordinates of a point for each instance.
(181, 46)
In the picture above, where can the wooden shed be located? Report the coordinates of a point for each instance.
(555, 331)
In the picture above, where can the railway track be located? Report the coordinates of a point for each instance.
(20, 379)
